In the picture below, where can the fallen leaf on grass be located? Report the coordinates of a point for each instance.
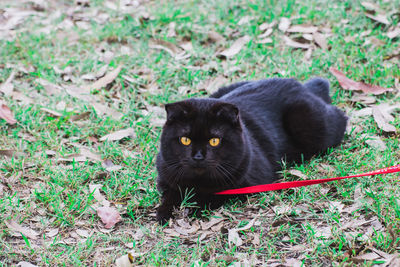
(235, 47)
(291, 43)
(110, 166)
(51, 88)
(72, 158)
(376, 143)
(81, 116)
(293, 262)
(209, 224)
(366, 257)
(109, 216)
(320, 40)
(125, 261)
(6, 114)
(382, 116)
(169, 47)
(51, 112)
(7, 87)
(10, 153)
(265, 34)
(118, 135)
(394, 33)
(215, 37)
(104, 109)
(302, 29)
(284, 24)
(18, 229)
(381, 18)
(89, 154)
(349, 84)
(298, 174)
(25, 264)
(104, 81)
(234, 238)
(95, 189)
(265, 41)
(213, 84)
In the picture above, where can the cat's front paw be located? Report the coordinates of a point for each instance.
(163, 216)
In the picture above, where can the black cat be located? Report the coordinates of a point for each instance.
(238, 136)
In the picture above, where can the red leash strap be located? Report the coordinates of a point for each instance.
(285, 185)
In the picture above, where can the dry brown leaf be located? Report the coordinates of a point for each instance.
(18, 229)
(109, 216)
(6, 114)
(102, 109)
(370, 6)
(118, 135)
(265, 34)
(382, 116)
(265, 41)
(376, 143)
(291, 43)
(8, 153)
(298, 174)
(171, 29)
(89, 154)
(365, 99)
(234, 238)
(52, 232)
(249, 225)
(51, 88)
(169, 47)
(25, 264)
(104, 81)
(72, 158)
(93, 76)
(124, 261)
(264, 26)
(381, 18)
(349, 84)
(209, 224)
(293, 262)
(320, 40)
(213, 84)
(394, 33)
(110, 166)
(83, 233)
(235, 47)
(215, 37)
(81, 116)
(302, 29)
(187, 46)
(95, 189)
(51, 112)
(284, 24)
(7, 87)
(366, 257)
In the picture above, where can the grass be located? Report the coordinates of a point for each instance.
(46, 195)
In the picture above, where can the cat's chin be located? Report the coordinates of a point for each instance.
(199, 171)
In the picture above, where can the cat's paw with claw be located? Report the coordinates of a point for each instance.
(163, 216)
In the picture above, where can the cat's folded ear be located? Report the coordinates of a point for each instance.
(226, 111)
(178, 110)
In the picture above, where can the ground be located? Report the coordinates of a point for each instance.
(72, 72)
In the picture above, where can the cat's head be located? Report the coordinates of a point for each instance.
(202, 138)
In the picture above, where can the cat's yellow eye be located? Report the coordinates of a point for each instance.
(185, 141)
(215, 141)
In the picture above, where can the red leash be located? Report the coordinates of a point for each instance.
(285, 185)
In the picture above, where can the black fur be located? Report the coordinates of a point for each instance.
(259, 123)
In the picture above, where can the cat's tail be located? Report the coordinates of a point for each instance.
(319, 87)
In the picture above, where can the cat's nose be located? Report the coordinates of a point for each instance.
(198, 156)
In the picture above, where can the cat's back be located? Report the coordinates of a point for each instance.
(264, 93)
